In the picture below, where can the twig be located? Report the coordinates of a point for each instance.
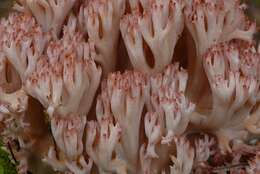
(228, 167)
(11, 152)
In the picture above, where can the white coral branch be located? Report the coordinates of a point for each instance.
(160, 27)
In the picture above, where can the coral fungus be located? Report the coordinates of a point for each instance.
(130, 87)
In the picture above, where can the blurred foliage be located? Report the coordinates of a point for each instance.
(257, 2)
(6, 165)
(5, 7)
(253, 12)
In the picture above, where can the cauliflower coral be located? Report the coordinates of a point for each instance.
(130, 87)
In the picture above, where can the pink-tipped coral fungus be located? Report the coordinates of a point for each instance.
(130, 87)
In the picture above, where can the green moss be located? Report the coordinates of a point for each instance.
(6, 165)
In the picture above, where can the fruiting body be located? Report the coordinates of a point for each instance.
(130, 86)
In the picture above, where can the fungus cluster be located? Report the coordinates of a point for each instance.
(130, 86)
